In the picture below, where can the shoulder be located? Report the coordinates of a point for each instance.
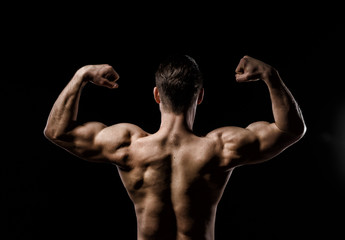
(126, 127)
(114, 141)
(234, 135)
(121, 132)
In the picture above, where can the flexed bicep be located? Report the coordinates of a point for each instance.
(272, 141)
(80, 140)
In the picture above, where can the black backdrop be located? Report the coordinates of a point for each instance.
(50, 194)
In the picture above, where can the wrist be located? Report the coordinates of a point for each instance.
(82, 75)
(271, 77)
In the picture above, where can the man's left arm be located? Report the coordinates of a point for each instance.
(288, 126)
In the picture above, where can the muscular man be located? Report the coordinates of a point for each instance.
(175, 178)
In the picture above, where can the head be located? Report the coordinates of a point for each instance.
(179, 84)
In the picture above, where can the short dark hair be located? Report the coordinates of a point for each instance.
(179, 80)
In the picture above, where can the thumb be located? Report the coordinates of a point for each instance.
(241, 77)
(109, 84)
(247, 77)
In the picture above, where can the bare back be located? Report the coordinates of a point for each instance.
(174, 178)
(175, 184)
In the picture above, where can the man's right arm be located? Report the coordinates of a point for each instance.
(64, 130)
(261, 141)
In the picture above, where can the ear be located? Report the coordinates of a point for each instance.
(156, 95)
(201, 96)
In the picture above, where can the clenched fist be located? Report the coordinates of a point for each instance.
(251, 69)
(101, 75)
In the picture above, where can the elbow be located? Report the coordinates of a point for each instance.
(303, 131)
(55, 136)
(48, 133)
(299, 131)
(295, 131)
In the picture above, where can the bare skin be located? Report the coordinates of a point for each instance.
(175, 178)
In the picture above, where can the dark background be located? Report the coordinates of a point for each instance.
(50, 194)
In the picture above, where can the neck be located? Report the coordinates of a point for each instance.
(177, 122)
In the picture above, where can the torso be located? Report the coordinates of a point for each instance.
(175, 184)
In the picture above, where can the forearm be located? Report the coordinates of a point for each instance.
(286, 112)
(65, 109)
